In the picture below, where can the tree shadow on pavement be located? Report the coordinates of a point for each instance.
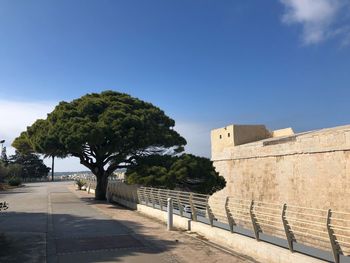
(37, 237)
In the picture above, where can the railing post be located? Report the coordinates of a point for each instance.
(126, 193)
(160, 200)
(332, 238)
(134, 197)
(170, 214)
(118, 191)
(129, 195)
(138, 200)
(167, 194)
(108, 193)
(255, 224)
(121, 193)
(230, 220)
(179, 204)
(193, 209)
(152, 198)
(138, 192)
(287, 229)
(145, 195)
(210, 213)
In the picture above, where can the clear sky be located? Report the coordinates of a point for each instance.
(206, 63)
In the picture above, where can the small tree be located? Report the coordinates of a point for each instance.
(30, 165)
(105, 131)
(37, 139)
(14, 170)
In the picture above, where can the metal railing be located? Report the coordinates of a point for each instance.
(323, 229)
(185, 203)
(122, 191)
(90, 183)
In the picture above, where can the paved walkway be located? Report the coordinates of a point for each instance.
(52, 222)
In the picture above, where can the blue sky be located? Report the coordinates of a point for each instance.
(206, 63)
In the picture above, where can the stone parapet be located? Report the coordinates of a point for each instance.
(321, 141)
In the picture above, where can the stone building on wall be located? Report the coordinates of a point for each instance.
(309, 169)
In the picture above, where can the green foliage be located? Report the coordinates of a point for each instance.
(24, 166)
(186, 172)
(10, 170)
(14, 170)
(105, 131)
(23, 144)
(27, 165)
(112, 124)
(80, 183)
(3, 172)
(15, 181)
(38, 139)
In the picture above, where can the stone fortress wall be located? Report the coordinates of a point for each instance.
(310, 169)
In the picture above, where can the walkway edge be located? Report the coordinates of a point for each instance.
(50, 239)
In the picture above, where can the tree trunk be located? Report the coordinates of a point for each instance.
(101, 186)
(52, 167)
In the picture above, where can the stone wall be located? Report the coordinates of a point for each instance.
(309, 169)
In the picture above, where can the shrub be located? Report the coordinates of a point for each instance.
(3, 171)
(80, 183)
(14, 181)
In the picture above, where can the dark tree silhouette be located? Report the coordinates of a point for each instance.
(105, 131)
(186, 172)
